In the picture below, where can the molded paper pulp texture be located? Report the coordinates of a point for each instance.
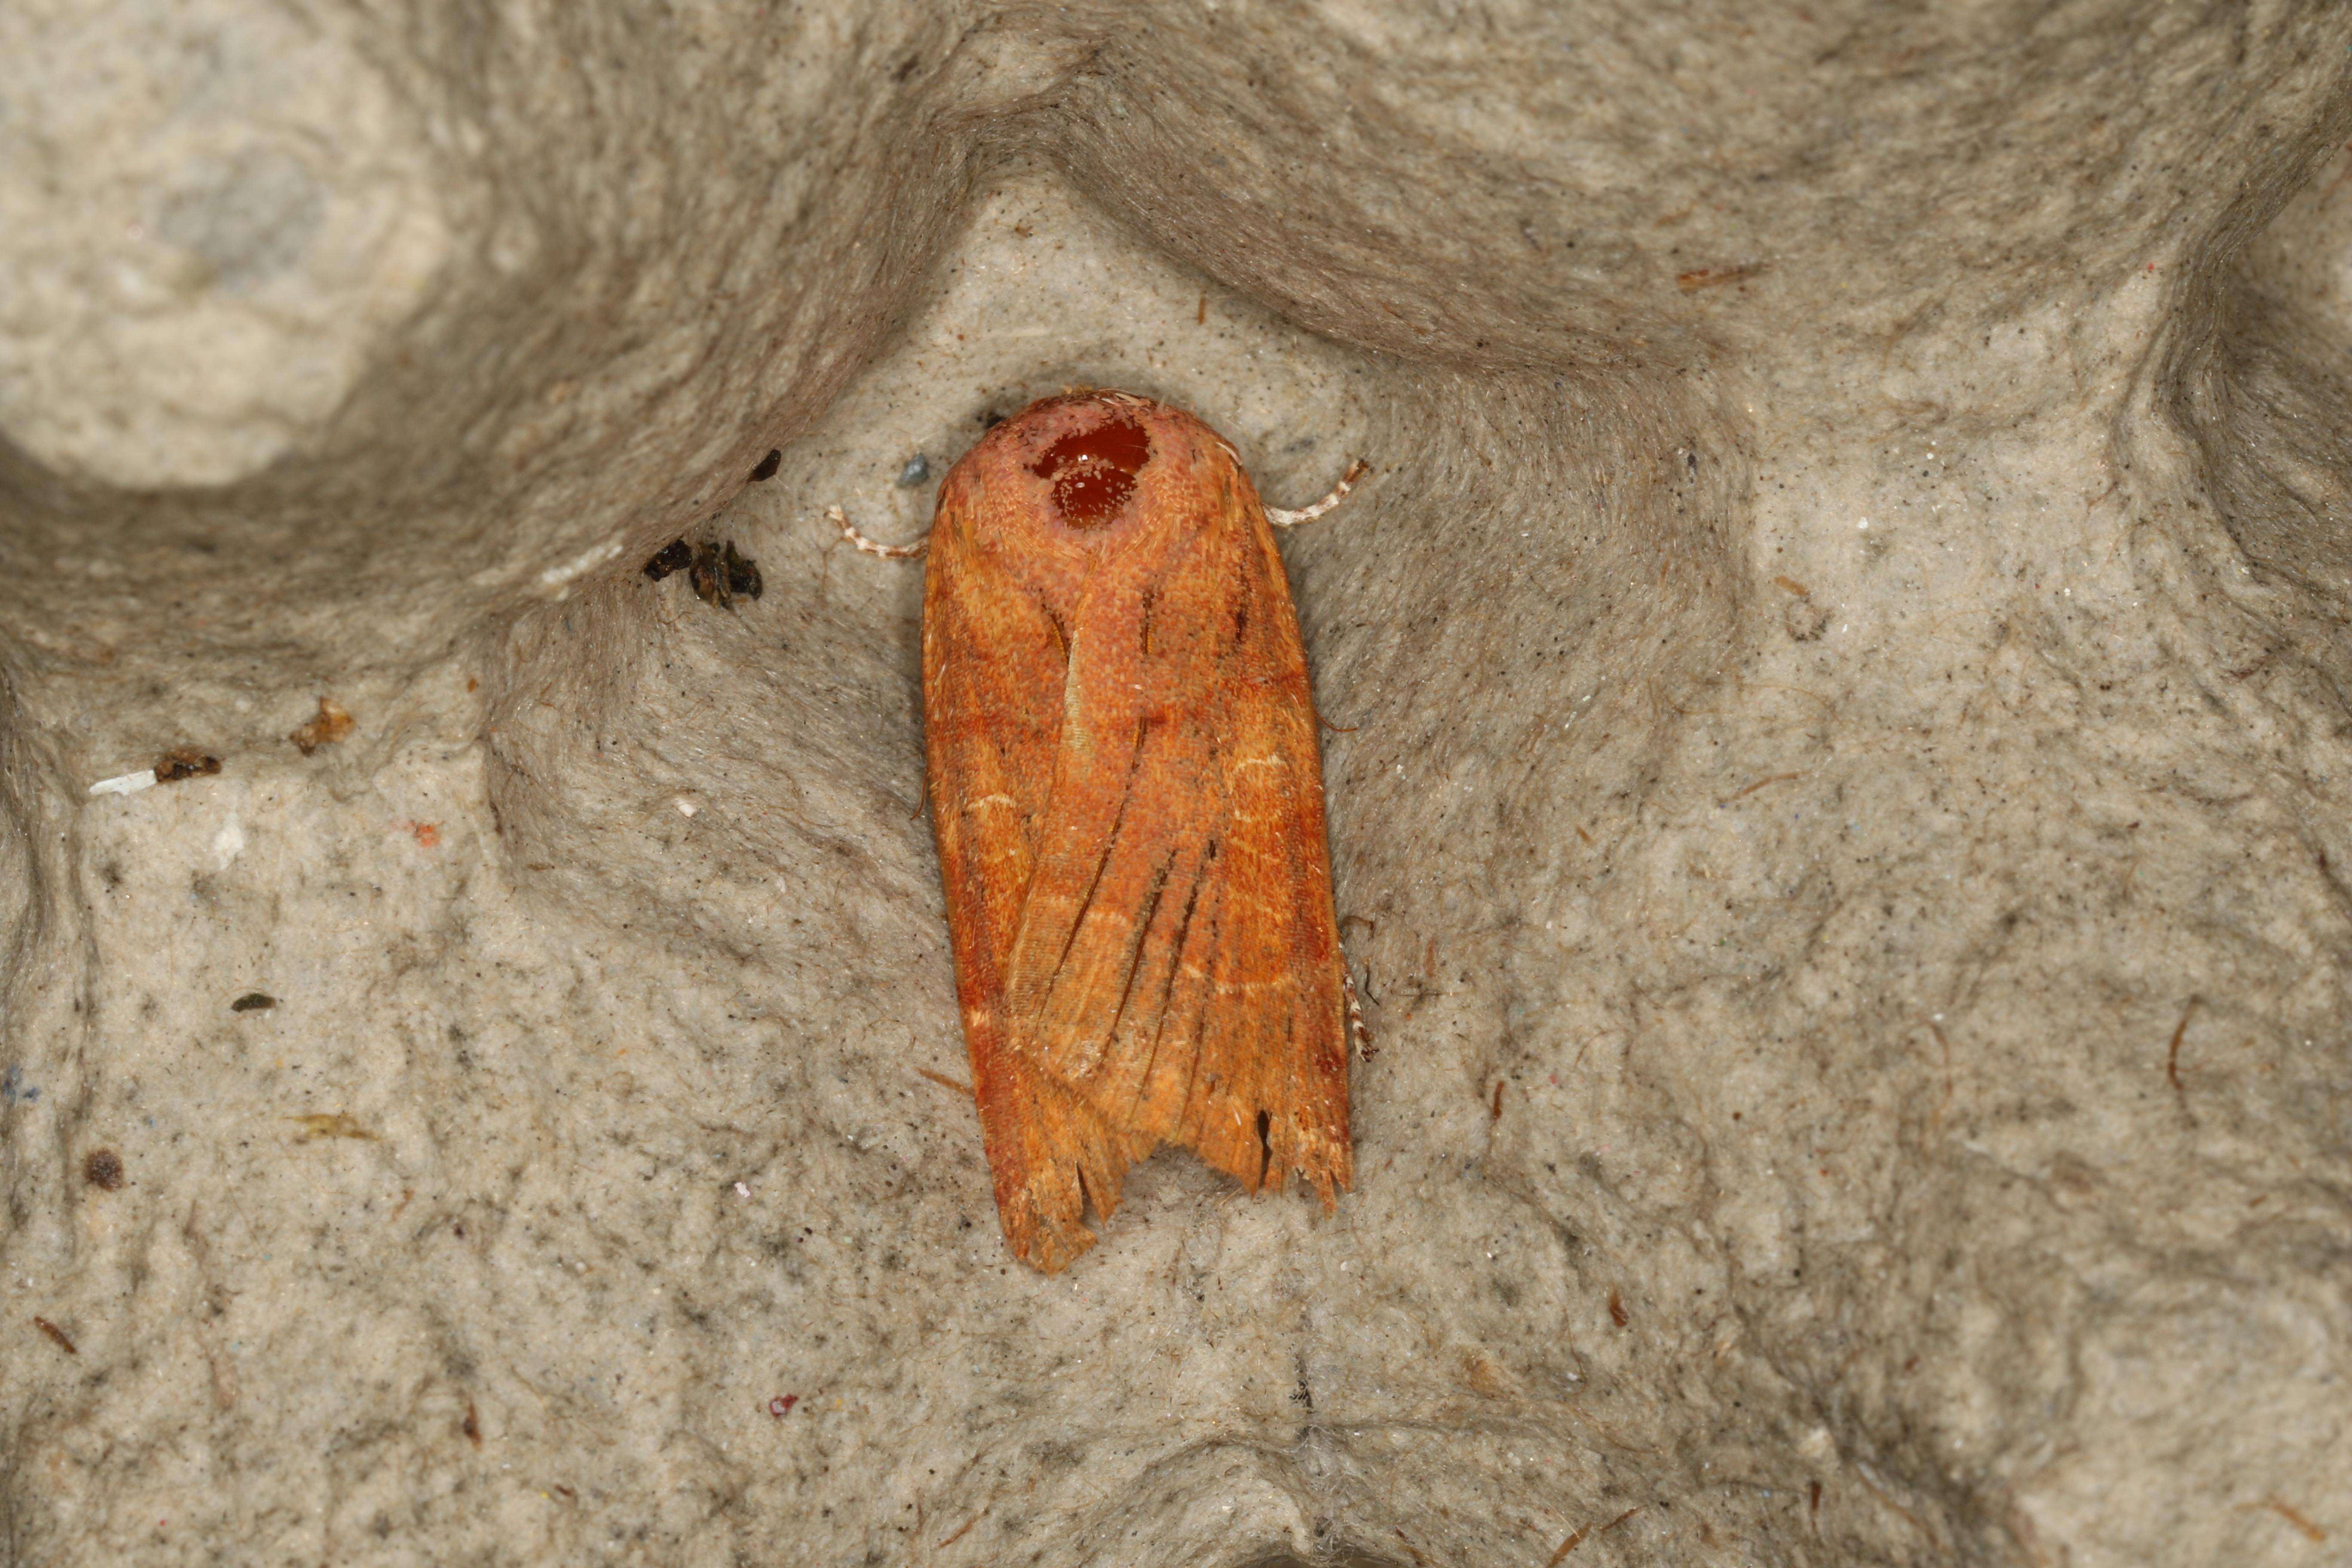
(1838, 781)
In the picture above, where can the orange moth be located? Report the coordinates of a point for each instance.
(1128, 800)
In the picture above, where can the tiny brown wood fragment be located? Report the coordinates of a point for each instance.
(1620, 1519)
(223, 1368)
(1759, 783)
(1617, 1312)
(185, 763)
(2172, 1056)
(253, 1002)
(768, 466)
(330, 725)
(674, 556)
(1495, 1111)
(103, 1169)
(1700, 278)
(1575, 1539)
(472, 1424)
(946, 1082)
(335, 1124)
(1861, 1474)
(57, 1336)
(1793, 586)
(2311, 1529)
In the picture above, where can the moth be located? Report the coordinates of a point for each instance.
(1128, 795)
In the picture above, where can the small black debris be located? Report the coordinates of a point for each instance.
(674, 556)
(743, 574)
(918, 469)
(990, 418)
(253, 1002)
(184, 763)
(723, 575)
(767, 468)
(708, 576)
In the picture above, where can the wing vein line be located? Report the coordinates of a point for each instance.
(1193, 1070)
(1175, 968)
(1111, 844)
(1135, 949)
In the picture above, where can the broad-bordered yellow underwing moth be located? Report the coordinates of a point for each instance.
(1128, 795)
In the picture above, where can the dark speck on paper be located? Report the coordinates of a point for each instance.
(185, 763)
(674, 556)
(253, 1002)
(721, 574)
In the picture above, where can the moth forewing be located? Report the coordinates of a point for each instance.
(1128, 802)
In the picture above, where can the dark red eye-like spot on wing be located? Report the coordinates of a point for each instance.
(1094, 469)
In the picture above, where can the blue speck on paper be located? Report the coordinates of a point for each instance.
(13, 1087)
(918, 469)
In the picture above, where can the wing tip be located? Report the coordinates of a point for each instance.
(1076, 1163)
(1045, 1243)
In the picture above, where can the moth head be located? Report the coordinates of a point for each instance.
(1095, 445)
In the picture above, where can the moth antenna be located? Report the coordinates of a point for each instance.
(1357, 1030)
(1283, 516)
(875, 546)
